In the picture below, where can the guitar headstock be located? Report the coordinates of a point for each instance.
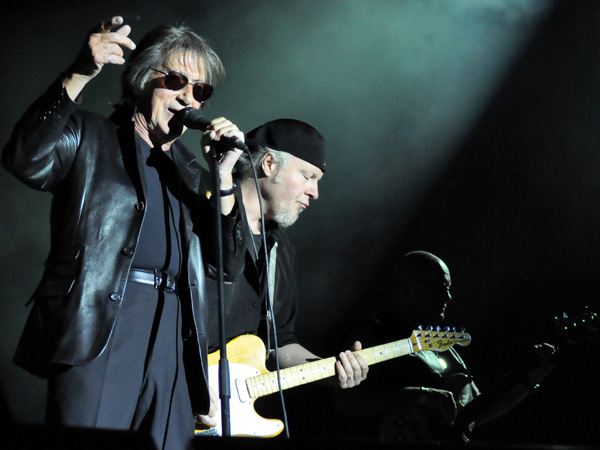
(577, 327)
(438, 339)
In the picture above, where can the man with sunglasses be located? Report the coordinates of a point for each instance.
(117, 323)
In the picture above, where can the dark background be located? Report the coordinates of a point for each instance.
(468, 128)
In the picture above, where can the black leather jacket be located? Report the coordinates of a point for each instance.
(89, 164)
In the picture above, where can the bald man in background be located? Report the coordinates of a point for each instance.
(423, 397)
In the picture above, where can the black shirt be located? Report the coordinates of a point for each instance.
(159, 244)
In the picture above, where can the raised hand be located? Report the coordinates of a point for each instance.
(104, 45)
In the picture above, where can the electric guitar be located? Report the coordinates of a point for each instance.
(250, 379)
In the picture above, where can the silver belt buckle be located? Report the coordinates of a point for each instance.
(164, 281)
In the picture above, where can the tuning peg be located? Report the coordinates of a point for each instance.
(429, 328)
(420, 327)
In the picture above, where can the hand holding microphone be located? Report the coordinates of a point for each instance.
(224, 136)
(195, 120)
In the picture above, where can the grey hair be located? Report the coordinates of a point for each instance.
(244, 164)
(155, 49)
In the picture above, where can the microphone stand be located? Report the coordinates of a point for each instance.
(224, 376)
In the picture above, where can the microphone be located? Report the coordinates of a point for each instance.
(195, 120)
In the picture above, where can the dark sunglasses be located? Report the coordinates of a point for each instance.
(176, 81)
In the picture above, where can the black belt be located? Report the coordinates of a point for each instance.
(163, 281)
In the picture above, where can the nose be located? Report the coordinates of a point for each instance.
(313, 189)
(186, 95)
(447, 297)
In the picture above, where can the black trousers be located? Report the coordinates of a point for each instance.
(138, 382)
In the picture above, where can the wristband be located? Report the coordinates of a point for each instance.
(226, 192)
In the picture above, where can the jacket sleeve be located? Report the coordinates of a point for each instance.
(233, 245)
(44, 142)
(233, 240)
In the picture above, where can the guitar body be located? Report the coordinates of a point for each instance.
(246, 356)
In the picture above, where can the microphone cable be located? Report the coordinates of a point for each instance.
(270, 307)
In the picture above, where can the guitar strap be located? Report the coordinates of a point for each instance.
(270, 298)
(460, 361)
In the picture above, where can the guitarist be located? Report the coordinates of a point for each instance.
(428, 397)
(288, 157)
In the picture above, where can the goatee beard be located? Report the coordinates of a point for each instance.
(286, 218)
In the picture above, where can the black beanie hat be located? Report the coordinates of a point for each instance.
(291, 136)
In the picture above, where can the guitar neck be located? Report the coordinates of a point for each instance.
(261, 385)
